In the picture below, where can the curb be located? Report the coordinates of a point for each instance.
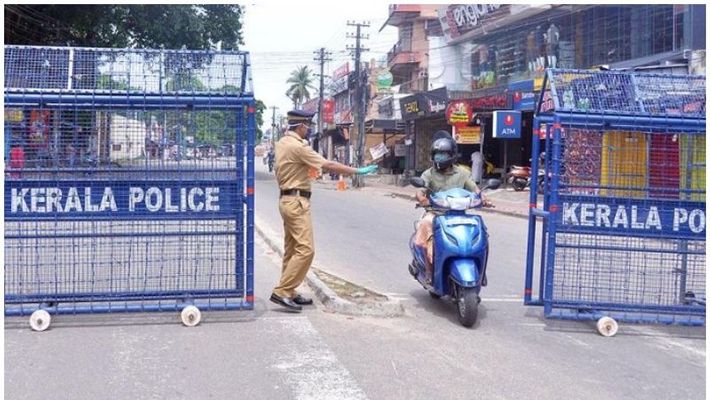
(326, 295)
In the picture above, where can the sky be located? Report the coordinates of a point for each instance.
(284, 36)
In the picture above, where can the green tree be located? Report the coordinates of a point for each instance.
(260, 108)
(125, 25)
(301, 82)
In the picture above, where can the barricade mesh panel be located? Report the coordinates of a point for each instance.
(126, 70)
(633, 94)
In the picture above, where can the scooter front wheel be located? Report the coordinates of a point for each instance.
(467, 306)
(434, 295)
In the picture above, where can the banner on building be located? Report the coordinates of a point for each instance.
(467, 134)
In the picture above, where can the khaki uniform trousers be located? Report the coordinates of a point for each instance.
(299, 248)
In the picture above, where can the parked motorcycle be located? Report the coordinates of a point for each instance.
(460, 250)
(520, 177)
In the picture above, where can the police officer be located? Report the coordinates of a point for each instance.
(294, 158)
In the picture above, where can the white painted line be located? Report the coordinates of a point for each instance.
(310, 368)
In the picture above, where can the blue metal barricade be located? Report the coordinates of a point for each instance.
(623, 221)
(129, 180)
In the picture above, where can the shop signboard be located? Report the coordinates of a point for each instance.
(490, 103)
(459, 19)
(310, 106)
(424, 104)
(328, 111)
(383, 79)
(340, 79)
(522, 95)
(507, 124)
(410, 107)
(467, 134)
(459, 113)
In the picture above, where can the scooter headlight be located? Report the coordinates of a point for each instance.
(458, 203)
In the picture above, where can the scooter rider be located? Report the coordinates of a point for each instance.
(444, 175)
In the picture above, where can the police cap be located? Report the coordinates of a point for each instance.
(299, 116)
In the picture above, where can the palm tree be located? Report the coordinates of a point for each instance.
(300, 82)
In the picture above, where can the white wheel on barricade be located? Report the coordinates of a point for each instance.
(607, 326)
(40, 320)
(190, 316)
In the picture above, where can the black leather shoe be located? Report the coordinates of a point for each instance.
(304, 301)
(286, 302)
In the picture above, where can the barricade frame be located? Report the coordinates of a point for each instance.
(235, 97)
(553, 116)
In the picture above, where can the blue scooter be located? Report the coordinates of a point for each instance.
(460, 250)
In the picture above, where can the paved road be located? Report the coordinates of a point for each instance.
(362, 235)
(511, 353)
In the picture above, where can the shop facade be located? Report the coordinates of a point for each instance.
(509, 48)
(424, 114)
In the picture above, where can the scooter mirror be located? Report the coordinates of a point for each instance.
(492, 184)
(417, 182)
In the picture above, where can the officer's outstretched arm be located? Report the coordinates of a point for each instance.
(339, 168)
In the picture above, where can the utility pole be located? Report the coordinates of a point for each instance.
(360, 107)
(323, 56)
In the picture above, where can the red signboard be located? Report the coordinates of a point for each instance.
(494, 102)
(459, 113)
(341, 72)
(328, 111)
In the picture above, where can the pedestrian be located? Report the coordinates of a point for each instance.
(476, 166)
(294, 158)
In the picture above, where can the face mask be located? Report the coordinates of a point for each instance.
(440, 157)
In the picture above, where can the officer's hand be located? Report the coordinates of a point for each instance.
(370, 169)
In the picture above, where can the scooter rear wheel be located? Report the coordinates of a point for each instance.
(467, 306)
(434, 295)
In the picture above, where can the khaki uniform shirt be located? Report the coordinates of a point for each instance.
(455, 178)
(294, 158)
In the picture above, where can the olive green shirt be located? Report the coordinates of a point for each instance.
(453, 178)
